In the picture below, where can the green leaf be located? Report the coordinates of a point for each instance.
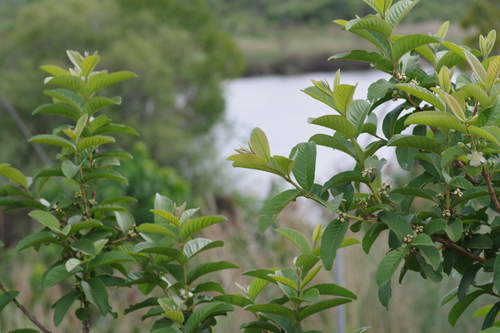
(109, 258)
(296, 237)
(259, 143)
(200, 314)
(14, 175)
(496, 273)
(85, 246)
(272, 308)
(6, 297)
(345, 177)
(317, 94)
(66, 96)
(357, 113)
(125, 221)
(207, 268)
(448, 297)
(53, 140)
(407, 43)
(336, 123)
(431, 255)
(459, 307)
(335, 143)
(209, 286)
(416, 141)
(259, 326)
(56, 275)
(399, 225)
(397, 12)
(93, 141)
(234, 299)
(310, 276)
(57, 109)
(197, 245)
(273, 206)
(157, 229)
(167, 216)
(304, 167)
(343, 95)
(96, 294)
(423, 94)
(36, 239)
(333, 290)
(200, 223)
(89, 63)
(46, 219)
(55, 71)
(331, 240)
(69, 169)
(385, 294)
(255, 287)
(466, 281)
(320, 306)
(491, 330)
(370, 22)
(164, 250)
(379, 89)
(359, 55)
(115, 128)
(454, 230)
(97, 82)
(476, 66)
(389, 265)
(69, 81)
(62, 306)
(478, 93)
(451, 154)
(94, 104)
(176, 316)
(283, 280)
(489, 320)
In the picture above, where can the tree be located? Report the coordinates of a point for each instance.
(483, 15)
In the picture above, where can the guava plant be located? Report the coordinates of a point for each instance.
(445, 131)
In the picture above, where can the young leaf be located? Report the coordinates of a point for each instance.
(53, 140)
(125, 221)
(200, 223)
(295, 237)
(272, 207)
(255, 287)
(275, 309)
(46, 219)
(370, 22)
(197, 245)
(200, 314)
(407, 43)
(259, 143)
(157, 229)
(336, 123)
(304, 167)
(97, 82)
(14, 175)
(398, 11)
(93, 141)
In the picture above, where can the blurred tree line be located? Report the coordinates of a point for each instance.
(483, 15)
(257, 16)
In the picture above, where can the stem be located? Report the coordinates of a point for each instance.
(487, 179)
(450, 245)
(461, 165)
(86, 322)
(357, 218)
(375, 193)
(25, 311)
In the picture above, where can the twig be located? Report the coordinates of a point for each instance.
(450, 245)
(487, 178)
(25, 311)
(469, 177)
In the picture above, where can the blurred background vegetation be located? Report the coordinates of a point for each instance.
(183, 52)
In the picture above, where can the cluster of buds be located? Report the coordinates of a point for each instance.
(395, 95)
(418, 228)
(87, 216)
(93, 202)
(468, 234)
(133, 232)
(439, 195)
(408, 238)
(414, 82)
(400, 76)
(446, 213)
(243, 150)
(342, 216)
(457, 192)
(362, 204)
(412, 250)
(78, 194)
(367, 172)
(385, 186)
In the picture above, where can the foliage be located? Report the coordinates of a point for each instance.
(442, 221)
(98, 239)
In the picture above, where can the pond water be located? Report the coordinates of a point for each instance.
(277, 105)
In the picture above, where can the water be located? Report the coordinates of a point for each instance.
(277, 105)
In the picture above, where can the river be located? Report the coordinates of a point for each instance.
(277, 105)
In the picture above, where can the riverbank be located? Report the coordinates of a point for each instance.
(306, 49)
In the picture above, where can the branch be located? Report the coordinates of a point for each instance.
(450, 245)
(25, 311)
(487, 178)
(461, 165)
